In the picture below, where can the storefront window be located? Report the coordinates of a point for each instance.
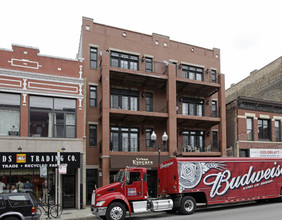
(29, 180)
(9, 114)
(52, 117)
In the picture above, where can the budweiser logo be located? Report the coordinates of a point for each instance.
(223, 181)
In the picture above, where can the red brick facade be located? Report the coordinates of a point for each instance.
(150, 69)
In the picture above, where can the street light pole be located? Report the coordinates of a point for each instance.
(164, 139)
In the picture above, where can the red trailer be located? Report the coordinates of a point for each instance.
(186, 182)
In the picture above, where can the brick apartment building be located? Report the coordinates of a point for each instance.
(254, 113)
(41, 112)
(139, 83)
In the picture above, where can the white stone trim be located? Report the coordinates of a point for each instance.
(149, 56)
(93, 84)
(264, 116)
(39, 76)
(173, 61)
(248, 115)
(94, 45)
(41, 93)
(92, 123)
(277, 118)
(124, 51)
(192, 64)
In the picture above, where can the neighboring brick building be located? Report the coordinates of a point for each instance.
(265, 83)
(138, 83)
(253, 127)
(41, 112)
(254, 113)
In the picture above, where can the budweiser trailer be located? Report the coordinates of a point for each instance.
(185, 182)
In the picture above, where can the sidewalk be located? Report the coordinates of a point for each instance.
(76, 214)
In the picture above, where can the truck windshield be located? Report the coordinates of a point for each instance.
(120, 176)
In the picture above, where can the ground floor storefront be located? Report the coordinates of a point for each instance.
(40, 174)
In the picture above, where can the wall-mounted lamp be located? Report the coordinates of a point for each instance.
(179, 66)
(63, 149)
(20, 148)
(180, 99)
(208, 102)
(143, 59)
(180, 133)
(143, 130)
(207, 71)
(143, 94)
(208, 134)
(107, 51)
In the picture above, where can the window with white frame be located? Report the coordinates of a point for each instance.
(125, 61)
(52, 117)
(124, 139)
(193, 72)
(10, 114)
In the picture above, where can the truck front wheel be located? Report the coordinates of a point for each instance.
(116, 211)
(187, 205)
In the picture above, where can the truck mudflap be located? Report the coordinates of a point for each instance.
(99, 211)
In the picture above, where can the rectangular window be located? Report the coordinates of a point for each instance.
(264, 130)
(125, 99)
(277, 131)
(244, 153)
(125, 61)
(124, 139)
(193, 107)
(52, 117)
(92, 135)
(192, 72)
(93, 96)
(193, 141)
(214, 140)
(148, 137)
(213, 76)
(214, 108)
(93, 57)
(10, 114)
(250, 129)
(149, 102)
(149, 64)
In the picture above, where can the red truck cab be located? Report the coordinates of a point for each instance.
(130, 185)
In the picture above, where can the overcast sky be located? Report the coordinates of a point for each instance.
(248, 32)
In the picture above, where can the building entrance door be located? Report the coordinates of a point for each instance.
(68, 189)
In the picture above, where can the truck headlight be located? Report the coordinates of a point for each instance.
(100, 203)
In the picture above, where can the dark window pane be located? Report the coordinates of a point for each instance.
(93, 135)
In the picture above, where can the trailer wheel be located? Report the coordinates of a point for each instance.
(187, 205)
(116, 211)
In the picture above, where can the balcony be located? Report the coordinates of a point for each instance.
(154, 106)
(190, 109)
(199, 147)
(133, 145)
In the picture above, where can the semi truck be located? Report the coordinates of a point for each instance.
(185, 182)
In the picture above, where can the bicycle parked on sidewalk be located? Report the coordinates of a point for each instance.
(54, 210)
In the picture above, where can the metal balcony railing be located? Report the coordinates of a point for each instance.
(155, 105)
(197, 110)
(199, 146)
(135, 145)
